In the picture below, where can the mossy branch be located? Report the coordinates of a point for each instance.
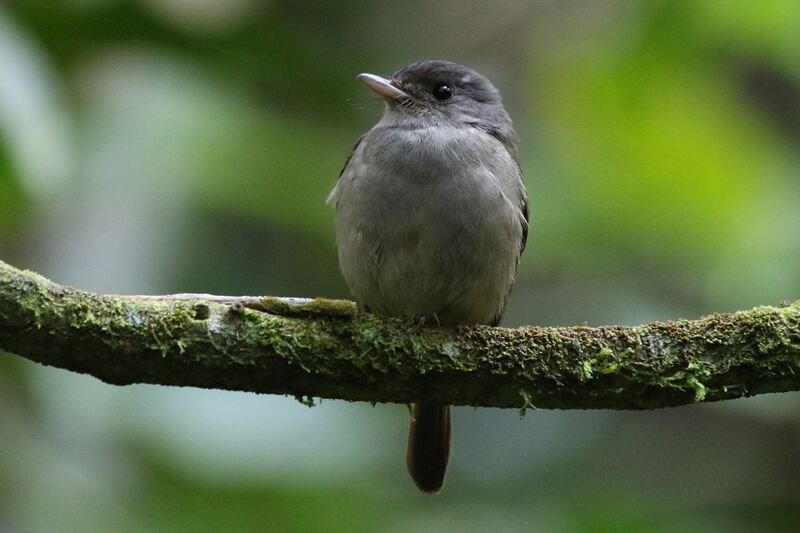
(325, 348)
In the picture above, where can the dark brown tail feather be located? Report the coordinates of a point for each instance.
(428, 445)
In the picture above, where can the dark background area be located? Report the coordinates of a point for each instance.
(160, 146)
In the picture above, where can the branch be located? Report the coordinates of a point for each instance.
(325, 348)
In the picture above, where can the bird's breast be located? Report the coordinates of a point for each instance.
(423, 226)
(426, 153)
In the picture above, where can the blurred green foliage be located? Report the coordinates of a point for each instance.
(651, 126)
(188, 145)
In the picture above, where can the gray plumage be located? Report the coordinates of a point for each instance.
(431, 210)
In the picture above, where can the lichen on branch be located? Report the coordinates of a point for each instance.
(326, 348)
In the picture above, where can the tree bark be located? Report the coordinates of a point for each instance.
(326, 348)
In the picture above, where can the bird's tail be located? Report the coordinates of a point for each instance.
(428, 445)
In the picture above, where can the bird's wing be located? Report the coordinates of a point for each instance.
(332, 197)
(523, 207)
(509, 142)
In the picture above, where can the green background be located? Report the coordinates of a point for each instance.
(158, 146)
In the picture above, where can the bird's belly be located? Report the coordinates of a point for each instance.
(447, 247)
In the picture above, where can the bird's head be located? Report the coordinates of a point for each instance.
(435, 92)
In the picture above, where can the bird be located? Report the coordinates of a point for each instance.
(431, 218)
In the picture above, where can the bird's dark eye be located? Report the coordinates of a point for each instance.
(442, 91)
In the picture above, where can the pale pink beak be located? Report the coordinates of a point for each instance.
(385, 89)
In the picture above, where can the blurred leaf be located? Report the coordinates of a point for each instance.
(662, 160)
(171, 503)
(11, 198)
(767, 29)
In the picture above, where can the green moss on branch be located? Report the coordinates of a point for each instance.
(325, 348)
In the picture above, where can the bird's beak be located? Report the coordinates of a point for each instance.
(385, 89)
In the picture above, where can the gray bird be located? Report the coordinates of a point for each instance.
(431, 218)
